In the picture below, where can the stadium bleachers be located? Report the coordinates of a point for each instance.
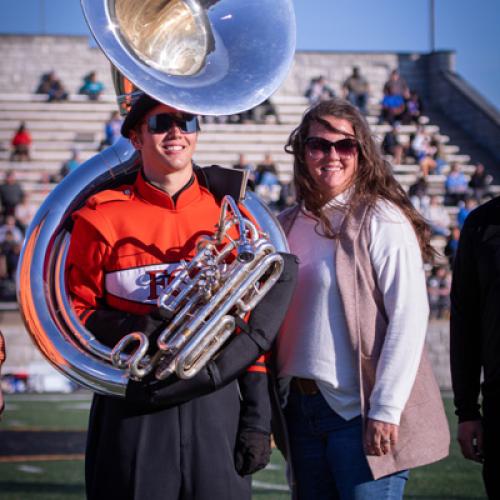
(59, 127)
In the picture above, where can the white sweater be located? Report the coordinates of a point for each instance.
(314, 341)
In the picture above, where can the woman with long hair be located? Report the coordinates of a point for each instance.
(360, 402)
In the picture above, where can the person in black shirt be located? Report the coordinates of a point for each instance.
(475, 341)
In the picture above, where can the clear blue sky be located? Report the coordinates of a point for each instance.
(471, 28)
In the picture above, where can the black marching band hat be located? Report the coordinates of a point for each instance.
(143, 105)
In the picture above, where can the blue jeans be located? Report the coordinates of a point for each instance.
(328, 457)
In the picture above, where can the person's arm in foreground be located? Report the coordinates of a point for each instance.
(465, 355)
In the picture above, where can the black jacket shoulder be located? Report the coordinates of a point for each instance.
(486, 214)
(221, 181)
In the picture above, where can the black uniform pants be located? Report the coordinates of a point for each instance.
(491, 427)
(182, 453)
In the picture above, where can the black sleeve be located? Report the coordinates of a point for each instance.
(465, 345)
(241, 350)
(255, 413)
(110, 325)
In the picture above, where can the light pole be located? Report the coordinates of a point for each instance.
(42, 17)
(432, 26)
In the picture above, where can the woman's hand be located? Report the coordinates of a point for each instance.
(380, 437)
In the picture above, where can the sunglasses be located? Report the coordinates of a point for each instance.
(159, 124)
(319, 147)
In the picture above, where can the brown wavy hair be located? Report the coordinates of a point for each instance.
(373, 179)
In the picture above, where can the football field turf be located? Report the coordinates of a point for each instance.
(57, 423)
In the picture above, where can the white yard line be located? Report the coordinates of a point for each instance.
(270, 486)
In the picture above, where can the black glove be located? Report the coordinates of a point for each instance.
(155, 394)
(109, 326)
(253, 451)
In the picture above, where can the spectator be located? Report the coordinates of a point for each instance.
(10, 249)
(247, 116)
(267, 184)
(469, 205)
(392, 146)
(418, 193)
(244, 164)
(111, 130)
(356, 90)
(52, 86)
(393, 108)
(456, 185)
(21, 142)
(24, 212)
(91, 87)
(287, 196)
(318, 90)
(450, 250)
(11, 193)
(439, 155)
(9, 226)
(437, 216)
(72, 164)
(9, 258)
(438, 289)
(413, 109)
(264, 110)
(266, 168)
(424, 150)
(396, 85)
(479, 182)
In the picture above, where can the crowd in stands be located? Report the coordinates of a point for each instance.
(264, 179)
(11, 233)
(400, 105)
(265, 112)
(52, 86)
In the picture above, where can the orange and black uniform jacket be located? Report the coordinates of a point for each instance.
(125, 242)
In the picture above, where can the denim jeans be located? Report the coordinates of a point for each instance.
(328, 458)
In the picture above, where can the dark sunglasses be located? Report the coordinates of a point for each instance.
(319, 147)
(159, 124)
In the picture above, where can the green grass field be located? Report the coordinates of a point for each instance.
(450, 479)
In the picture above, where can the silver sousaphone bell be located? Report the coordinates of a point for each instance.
(209, 57)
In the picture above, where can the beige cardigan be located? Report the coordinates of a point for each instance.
(424, 436)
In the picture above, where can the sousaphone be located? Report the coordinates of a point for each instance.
(206, 57)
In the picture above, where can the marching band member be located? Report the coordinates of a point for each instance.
(190, 439)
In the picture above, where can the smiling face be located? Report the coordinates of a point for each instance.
(164, 153)
(332, 173)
